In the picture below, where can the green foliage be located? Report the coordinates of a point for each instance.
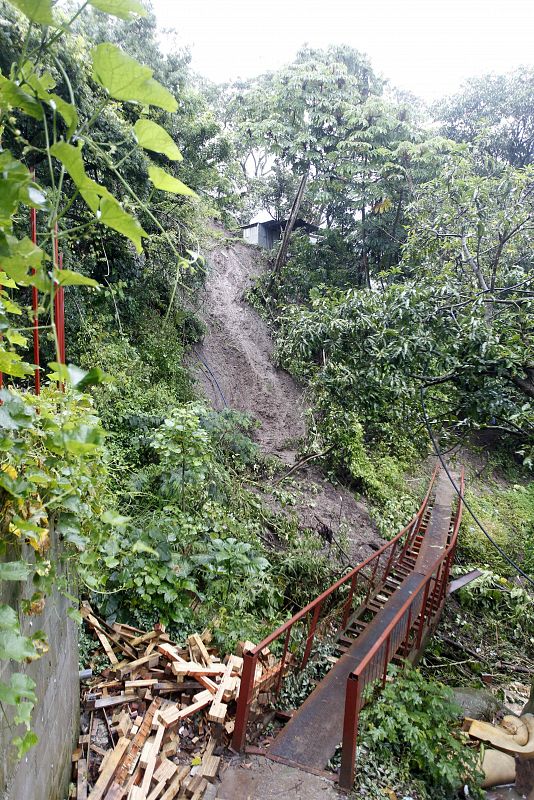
(415, 722)
(494, 596)
(508, 516)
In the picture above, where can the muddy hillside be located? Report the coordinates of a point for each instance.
(235, 368)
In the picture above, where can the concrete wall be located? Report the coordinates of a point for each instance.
(44, 772)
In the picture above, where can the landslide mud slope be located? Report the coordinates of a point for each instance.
(236, 357)
(234, 366)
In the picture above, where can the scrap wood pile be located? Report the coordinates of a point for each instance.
(157, 721)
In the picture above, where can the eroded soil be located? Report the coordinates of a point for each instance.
(235, 368)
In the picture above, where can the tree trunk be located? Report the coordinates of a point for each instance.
(282, 253)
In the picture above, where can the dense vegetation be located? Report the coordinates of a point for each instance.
(409, 311)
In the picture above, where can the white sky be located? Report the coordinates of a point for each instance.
(426, 46)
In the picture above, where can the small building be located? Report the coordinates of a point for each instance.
(268, 232)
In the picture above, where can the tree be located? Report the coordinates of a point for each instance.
(498, 110)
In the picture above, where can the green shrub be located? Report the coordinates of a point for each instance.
(415, 722)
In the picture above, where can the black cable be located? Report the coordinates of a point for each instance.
(458, 492)
(214, 378)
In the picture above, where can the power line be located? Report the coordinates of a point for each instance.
(462, 499)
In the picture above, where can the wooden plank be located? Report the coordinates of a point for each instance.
(108, 702)
(165, 771)
(81, 782)
(151, 765)
(102, 638)
(170, 652)
(171, 717)
(140, 684)
(195, 641)
(146, 752)
(125, 667)
(210, 763)
(217, 712)
(127, 767)
(112, 763)
(193, 668)
(175, 784)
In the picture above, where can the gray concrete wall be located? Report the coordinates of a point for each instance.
(44, 772)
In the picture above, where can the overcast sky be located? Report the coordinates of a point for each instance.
(426, 46)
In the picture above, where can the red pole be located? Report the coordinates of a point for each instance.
(244, 701)
(350, 732)
(35, 307)
(311, 634)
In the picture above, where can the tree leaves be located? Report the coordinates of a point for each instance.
(152, 136)
(16, 647)
(38, 11)
(66, 277)
(107, 209)
(13, 95)
(168, 183)
(124, 78)
(14, 571)
(124, 9)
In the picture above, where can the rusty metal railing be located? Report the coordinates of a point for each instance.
(374, 570)
(403, 636)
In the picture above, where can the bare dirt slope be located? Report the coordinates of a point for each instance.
(234, 366)
(236, 357)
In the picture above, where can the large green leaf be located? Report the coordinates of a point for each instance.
(38, 11)
(15, 646)
(71, 158)
(8, 617)
(13, 95)
(20, 686)
(153, 137)
(66, 277)
(13, 571)
(126, 79)
(124, 9)
(24, 256)
(23, 744)
(107, 209)
(12, 364)
(16, 187)
(114, 216)
(167, 183)
(41, 86)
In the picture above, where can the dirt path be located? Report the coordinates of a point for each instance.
(234, 366)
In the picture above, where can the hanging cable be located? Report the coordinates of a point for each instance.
(439, 454)
(214, 379)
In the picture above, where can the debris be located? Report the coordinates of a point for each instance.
(514, 735)
(498, 768)
(170, 713)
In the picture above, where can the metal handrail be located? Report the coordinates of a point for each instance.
(430, 608)
(251, 656)
(345, 578)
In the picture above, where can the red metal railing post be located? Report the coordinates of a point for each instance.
(283, 662)
(422, 616)
(35, 307)
(348, 604)
(244, 701)
(390, 561)
(407, 637)
(311, 634)
(350, 732)
(386, 661)
(372, 579)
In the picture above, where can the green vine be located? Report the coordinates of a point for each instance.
(53, 455)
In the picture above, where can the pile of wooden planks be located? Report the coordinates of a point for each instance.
(156, 722)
